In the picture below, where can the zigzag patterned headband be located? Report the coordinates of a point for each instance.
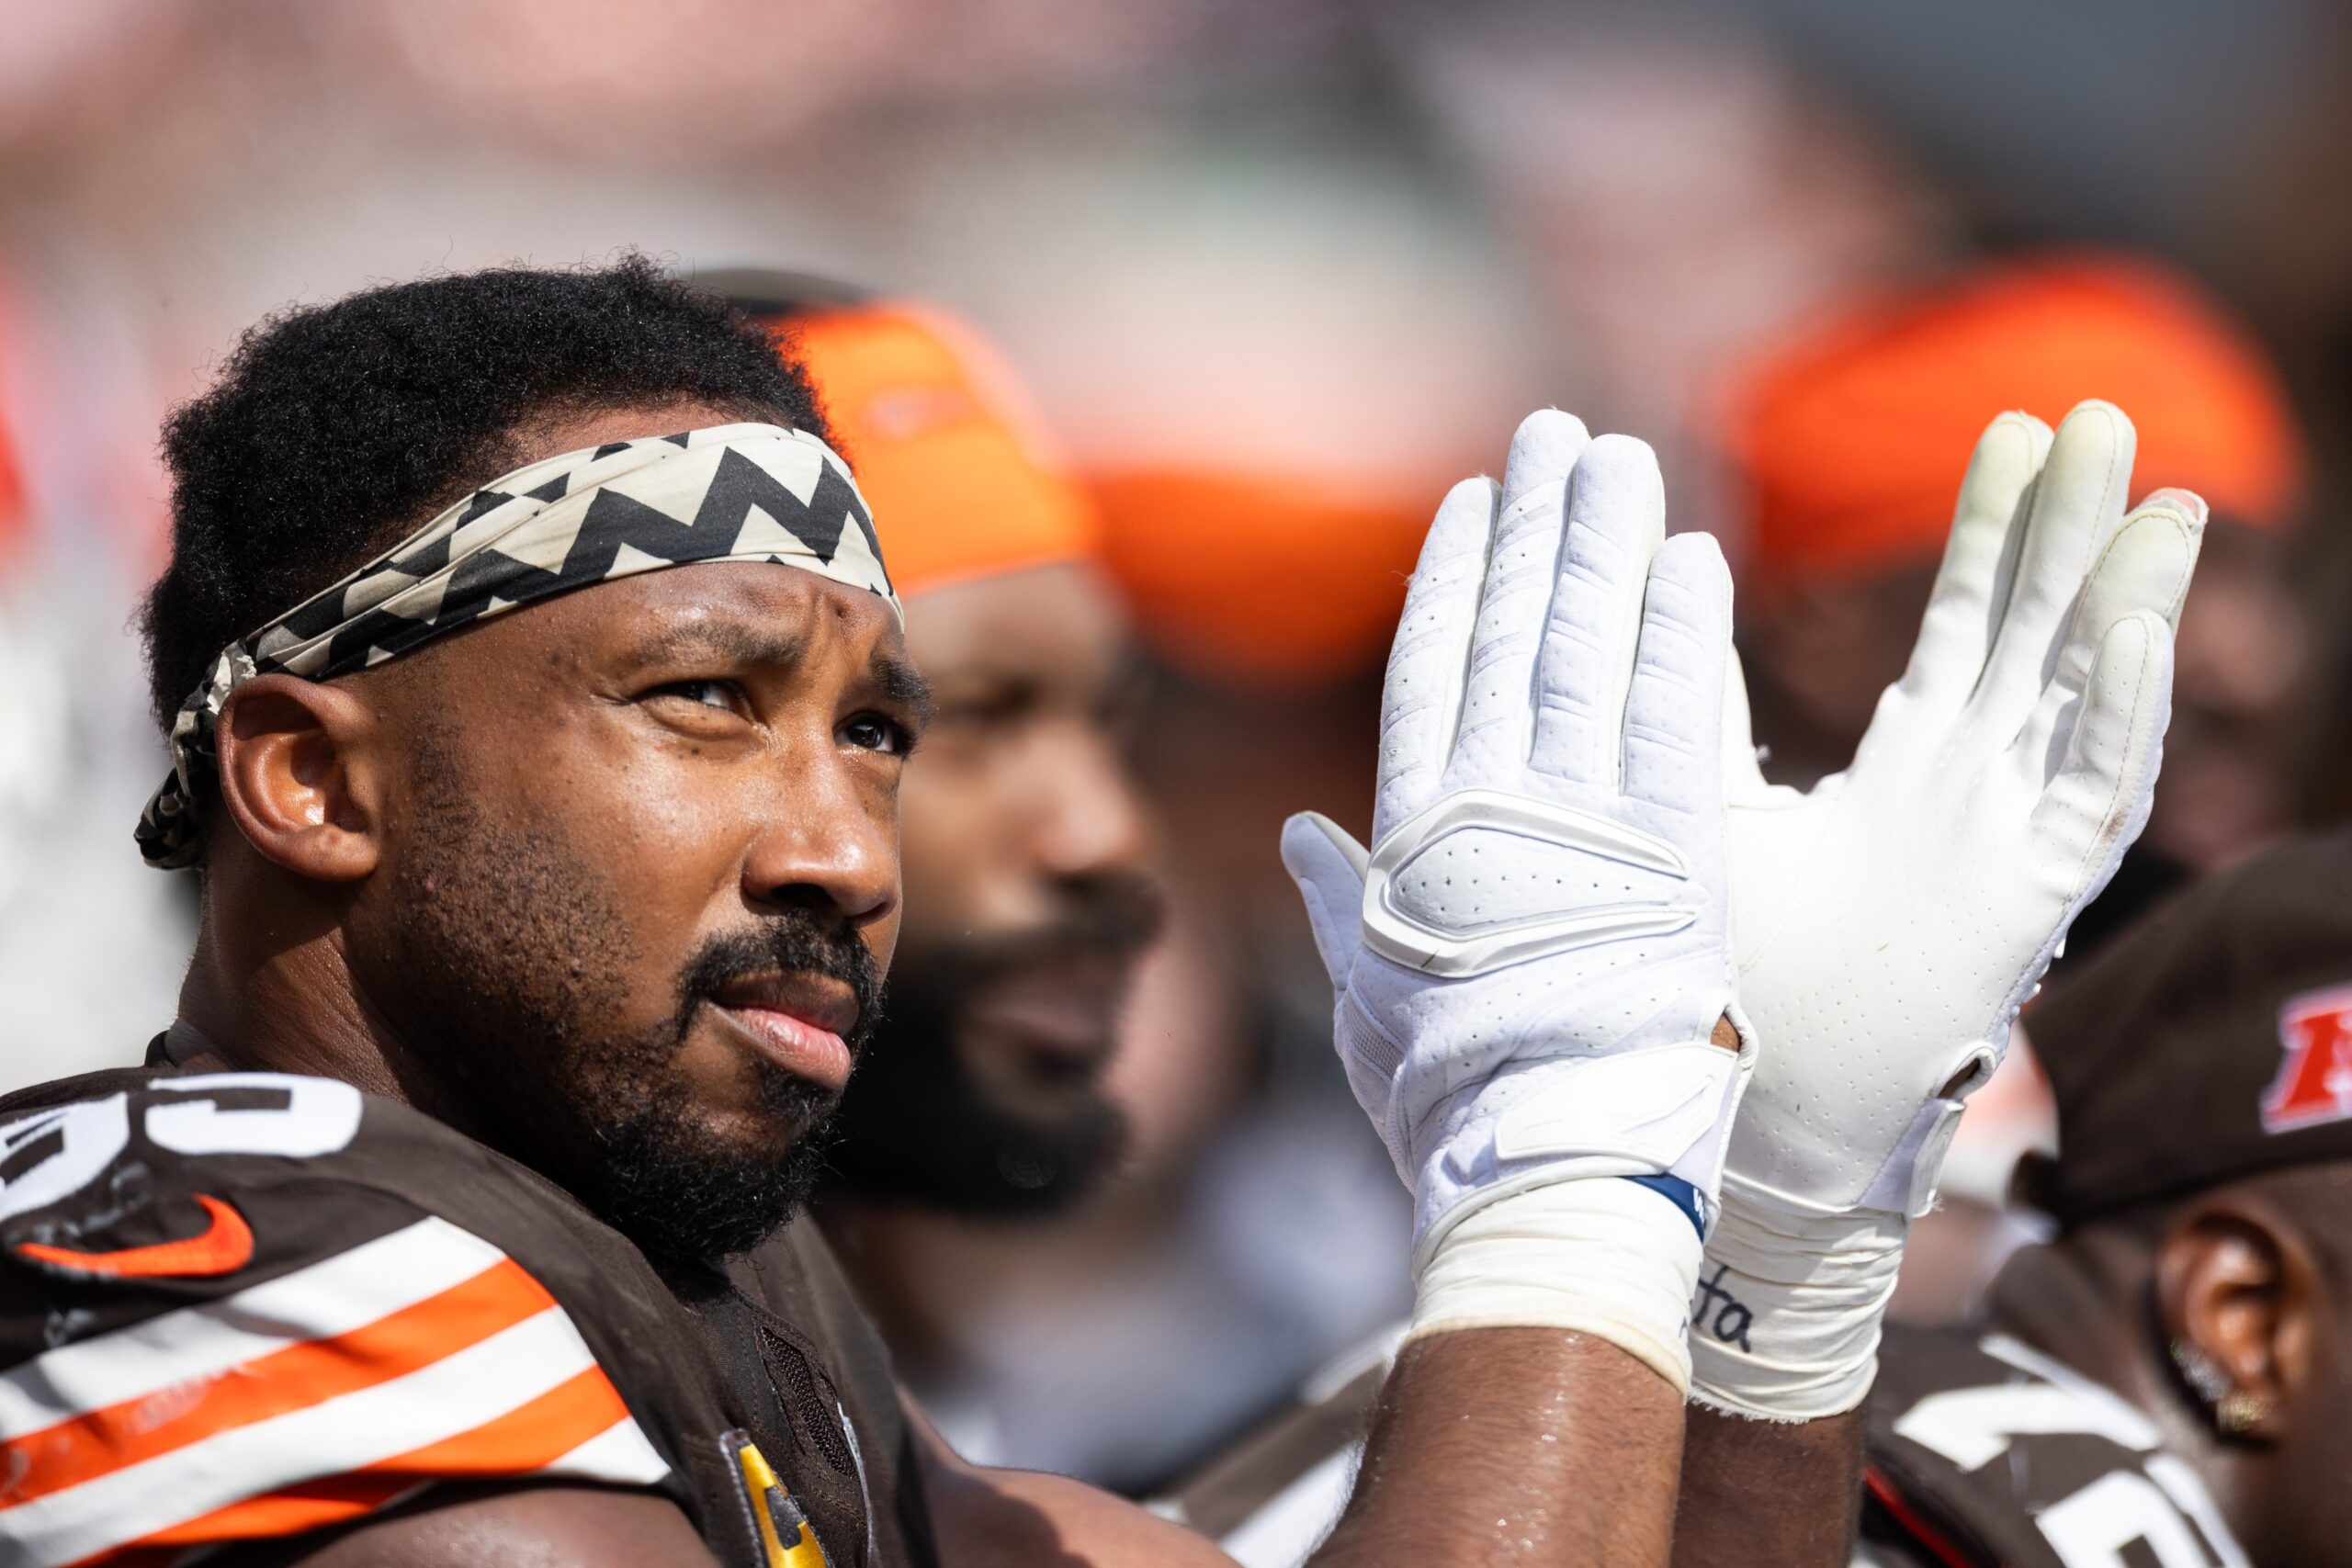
(750, 492)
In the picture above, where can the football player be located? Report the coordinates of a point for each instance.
(2167, 1380)
(538, 700)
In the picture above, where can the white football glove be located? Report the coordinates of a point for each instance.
(1530, 962)
(1890, 922)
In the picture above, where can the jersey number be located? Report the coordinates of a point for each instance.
(53, 1153)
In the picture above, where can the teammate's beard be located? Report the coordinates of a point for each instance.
(917, 1127)
(510, 962)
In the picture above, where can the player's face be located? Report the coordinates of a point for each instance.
(2240, 726)
(1028, 906)
(644, 883)
(2291, 1494)
(1826, 648)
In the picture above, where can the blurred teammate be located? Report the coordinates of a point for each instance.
(2170, 1381)
(1843, 441)
(539, 701)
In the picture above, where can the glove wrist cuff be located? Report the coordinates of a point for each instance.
(1663, 1109)
(1785, 1315)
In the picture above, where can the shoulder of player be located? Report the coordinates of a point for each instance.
(227, 1311)
(1966, 1395)
(129, 1193)
(1980, 1449)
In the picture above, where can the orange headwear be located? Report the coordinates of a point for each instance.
(942, 443)
(1261, 577)
(1851, 441)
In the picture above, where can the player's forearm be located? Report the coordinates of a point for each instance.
(1527, 1446)
(1550, 790)
(1768, 1494)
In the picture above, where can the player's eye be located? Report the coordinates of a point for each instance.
(1119, 706)
(877, 732)
(996, 704)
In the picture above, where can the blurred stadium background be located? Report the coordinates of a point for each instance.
(1277, 274)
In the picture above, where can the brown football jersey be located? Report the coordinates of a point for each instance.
(1982, 1451)
(239, 1306)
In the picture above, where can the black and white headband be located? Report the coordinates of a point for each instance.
(750, 492)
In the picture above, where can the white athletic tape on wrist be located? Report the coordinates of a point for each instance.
(1420, 944)
(1614, 1259)
(1784, 1323)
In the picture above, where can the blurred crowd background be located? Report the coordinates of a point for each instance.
(1276, 274)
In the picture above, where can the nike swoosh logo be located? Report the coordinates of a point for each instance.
(222, 1247)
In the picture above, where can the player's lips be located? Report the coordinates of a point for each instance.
(798, 1021)
(1065, 1016)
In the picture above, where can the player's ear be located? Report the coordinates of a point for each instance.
(2243, 1301)
(298, 779)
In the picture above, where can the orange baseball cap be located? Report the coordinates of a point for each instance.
(960, 481)
(1850, 439)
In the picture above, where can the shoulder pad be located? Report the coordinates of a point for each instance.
(206, 1334)
(1984, 1449)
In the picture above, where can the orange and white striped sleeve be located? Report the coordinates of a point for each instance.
(308, 1400)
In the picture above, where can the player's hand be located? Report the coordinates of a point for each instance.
(1530, 960)
(1888, 923)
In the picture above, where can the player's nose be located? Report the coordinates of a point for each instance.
(1091, 820)
(827, 846)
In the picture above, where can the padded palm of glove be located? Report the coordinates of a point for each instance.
(1528, 965)
(1890, 922)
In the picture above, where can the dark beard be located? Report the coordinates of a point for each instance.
(661, 1177)
(917, 1127)
(510, 953)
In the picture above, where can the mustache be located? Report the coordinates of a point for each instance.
(796, 941)
(1108, 918)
